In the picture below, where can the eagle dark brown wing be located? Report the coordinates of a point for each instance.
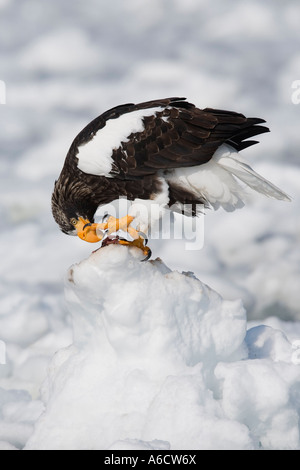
(181, 135)
(177, 134)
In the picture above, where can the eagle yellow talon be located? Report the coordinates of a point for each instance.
(139, 243)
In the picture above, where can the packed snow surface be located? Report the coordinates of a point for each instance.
(63, 63)
(160, 359)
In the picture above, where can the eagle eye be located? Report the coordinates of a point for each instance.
(74, 221)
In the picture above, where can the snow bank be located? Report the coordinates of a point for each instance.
(161, 361)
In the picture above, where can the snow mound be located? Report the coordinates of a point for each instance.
(160, 361)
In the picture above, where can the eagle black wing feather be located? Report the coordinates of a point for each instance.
(178, 135)
(181, 135)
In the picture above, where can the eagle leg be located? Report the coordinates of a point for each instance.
(113, 225)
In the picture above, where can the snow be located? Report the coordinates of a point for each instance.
(159, 356)
(64, 63)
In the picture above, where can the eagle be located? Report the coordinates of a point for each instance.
(166, 152)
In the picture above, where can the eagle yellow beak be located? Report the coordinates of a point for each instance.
(87, 231)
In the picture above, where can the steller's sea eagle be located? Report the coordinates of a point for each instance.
(166, 152)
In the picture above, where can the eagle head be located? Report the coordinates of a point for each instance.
(68, 207)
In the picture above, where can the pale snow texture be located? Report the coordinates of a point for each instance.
(66, 62)
(159, 356)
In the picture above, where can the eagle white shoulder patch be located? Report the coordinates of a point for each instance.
(94, 157)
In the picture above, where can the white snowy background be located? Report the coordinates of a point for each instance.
(63, 64)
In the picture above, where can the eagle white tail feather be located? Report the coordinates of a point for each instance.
(245, 173)
(218, 181)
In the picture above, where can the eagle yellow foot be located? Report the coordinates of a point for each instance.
(139, 243)
(93, 233)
